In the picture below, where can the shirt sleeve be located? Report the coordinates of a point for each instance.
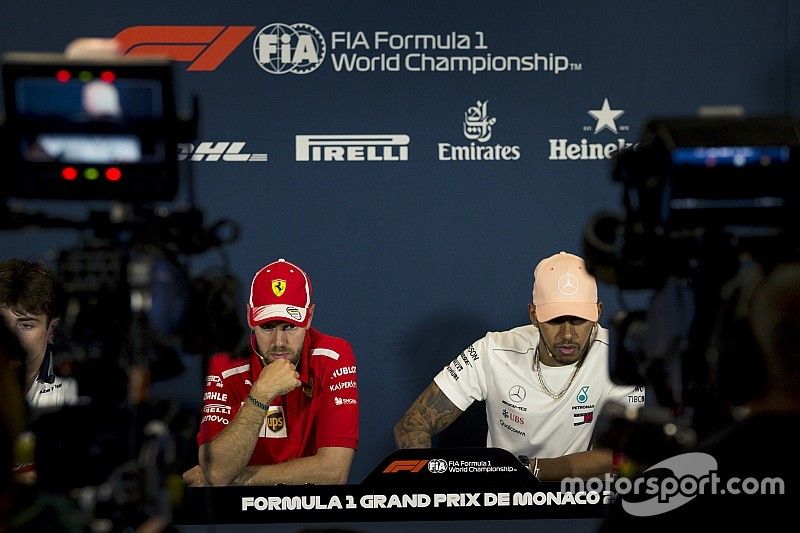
(71, 391)
(337, 417)
(220, 403)
(463, 380)
(628, 395)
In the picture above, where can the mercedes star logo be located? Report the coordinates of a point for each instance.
(517, 393)
(568, 284)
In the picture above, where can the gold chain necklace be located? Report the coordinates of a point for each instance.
(538, 366)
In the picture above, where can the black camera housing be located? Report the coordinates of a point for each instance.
(90, 129)
(696, 190)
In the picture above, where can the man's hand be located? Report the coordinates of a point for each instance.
(276, 379)
(195, 477)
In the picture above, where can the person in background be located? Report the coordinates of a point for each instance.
(29, 303)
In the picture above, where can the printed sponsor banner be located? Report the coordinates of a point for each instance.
(300, 48)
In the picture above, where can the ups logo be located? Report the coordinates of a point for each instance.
(275, 422)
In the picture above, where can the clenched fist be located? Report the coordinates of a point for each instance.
(276, 379)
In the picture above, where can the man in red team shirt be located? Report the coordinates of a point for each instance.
(289, 412)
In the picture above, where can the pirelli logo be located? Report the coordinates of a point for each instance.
(327, 148)
(412, 465)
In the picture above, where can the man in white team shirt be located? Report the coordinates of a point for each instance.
(28, 307)
(543, 383)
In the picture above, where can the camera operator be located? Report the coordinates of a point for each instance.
(756, 444)
(29, 307)
(754, 451)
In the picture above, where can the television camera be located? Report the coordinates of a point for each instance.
(708, 203)
(106, 130)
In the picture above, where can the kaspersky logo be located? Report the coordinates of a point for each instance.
(278, 48)
(605, 120)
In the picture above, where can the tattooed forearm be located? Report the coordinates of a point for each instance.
(430, 413)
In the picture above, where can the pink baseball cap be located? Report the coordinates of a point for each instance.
(563, 287)
(280, 291)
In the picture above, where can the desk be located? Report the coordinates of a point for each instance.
(408, 485)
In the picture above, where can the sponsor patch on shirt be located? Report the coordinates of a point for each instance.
(344, 401)
(274, 426)
(578, 419)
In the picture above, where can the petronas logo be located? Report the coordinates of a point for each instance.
(583, 395)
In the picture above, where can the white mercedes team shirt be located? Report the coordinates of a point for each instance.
(521, 417)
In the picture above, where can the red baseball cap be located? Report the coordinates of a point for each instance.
(280, 291)
(563, 287)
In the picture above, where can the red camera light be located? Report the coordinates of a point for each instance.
(113, 174)
(63, 76)
(69, 173)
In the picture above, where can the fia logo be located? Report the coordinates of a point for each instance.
(296, 48)
(437, 466)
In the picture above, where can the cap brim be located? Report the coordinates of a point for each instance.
(277, 313)
(547, 312)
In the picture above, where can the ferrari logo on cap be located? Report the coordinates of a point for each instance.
(278, 287)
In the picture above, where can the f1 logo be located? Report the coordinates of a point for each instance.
(405, 466)
(206, 47)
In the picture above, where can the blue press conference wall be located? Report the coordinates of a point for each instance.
(414, 259)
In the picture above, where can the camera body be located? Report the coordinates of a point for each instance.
(106, 128)
(694, 188)
(102, 128)
(705, 201)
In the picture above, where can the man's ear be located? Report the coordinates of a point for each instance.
(310, 315)
(51, 328)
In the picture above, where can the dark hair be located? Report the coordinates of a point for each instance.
(29, 288)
